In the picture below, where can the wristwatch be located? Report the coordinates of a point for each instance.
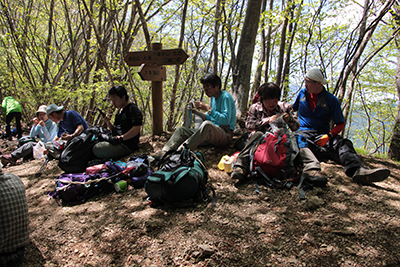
(209, 111)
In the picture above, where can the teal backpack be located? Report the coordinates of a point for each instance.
(183, 176)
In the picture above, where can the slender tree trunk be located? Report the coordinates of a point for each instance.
(261, 62)
(144, 23)
(268, 44)
(215, 35)
(48, 46)
(171, 117)
(282, 46)
(394, 147)
(361, 45)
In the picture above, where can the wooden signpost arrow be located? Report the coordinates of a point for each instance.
(152, 70)
(156, 57)
(152, 73)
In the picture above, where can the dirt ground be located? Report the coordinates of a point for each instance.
(345, 224)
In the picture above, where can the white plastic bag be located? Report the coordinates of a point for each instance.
(38, 150)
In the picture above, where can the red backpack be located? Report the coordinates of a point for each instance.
(272, 159)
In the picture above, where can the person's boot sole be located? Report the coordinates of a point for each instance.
(376, 176)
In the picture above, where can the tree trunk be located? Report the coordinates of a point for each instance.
(171, 117)
(242, 69)
(261, 62)
(360, 47)
(215, 35)
(394, 147)
(282, 46)
(268, 44)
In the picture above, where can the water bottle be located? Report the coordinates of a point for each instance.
(188, 116)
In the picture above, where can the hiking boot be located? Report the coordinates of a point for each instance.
(366, 176)
(239, 173)
(5, 159)
(316, 178)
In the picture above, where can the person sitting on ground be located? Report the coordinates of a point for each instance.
(316, 107)
(12, 109)
(42, 127)
(14, 220)
(70, 125)
(219, 120)
(261, 115)
(125, 130)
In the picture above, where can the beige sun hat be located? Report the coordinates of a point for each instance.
(42, 108)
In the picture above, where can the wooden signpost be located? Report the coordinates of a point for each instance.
(156, 57)
(152, 73)
(152, 70)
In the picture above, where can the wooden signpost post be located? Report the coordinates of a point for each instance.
(152, 70)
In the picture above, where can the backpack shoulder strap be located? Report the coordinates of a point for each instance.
(256, 143)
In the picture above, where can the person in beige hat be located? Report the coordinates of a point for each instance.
(316, 107)
(42, 127)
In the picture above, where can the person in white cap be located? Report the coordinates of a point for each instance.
(316, 108)
(70, 122)
(42, 127)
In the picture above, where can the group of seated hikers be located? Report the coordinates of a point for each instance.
(124, 138)
(315, 107)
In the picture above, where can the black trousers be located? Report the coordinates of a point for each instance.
(9, 117)
(338, 149)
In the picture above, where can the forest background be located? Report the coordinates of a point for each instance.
(71, 52)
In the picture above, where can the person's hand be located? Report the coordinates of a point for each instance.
(274, 117)
(35, 121)
(286, 117)
(322, 139)
(42, 123)
(114, 140)
(201, 105)
(66, 136)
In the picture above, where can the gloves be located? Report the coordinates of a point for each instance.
(323, 139)
(111, 139)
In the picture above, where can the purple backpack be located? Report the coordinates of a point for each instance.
(77, 188)
(137, 173)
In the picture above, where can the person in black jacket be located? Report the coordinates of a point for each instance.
(125, 130)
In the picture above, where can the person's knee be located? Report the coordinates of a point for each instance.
(99, 148)
(206, 125)
(180, 130)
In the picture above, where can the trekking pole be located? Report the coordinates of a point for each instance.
(44, 164)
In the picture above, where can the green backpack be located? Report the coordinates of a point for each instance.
(183, 176)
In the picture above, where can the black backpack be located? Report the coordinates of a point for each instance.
(78, 151)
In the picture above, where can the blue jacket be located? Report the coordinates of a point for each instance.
(327, 109)
(46, 133)
(223, 110)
